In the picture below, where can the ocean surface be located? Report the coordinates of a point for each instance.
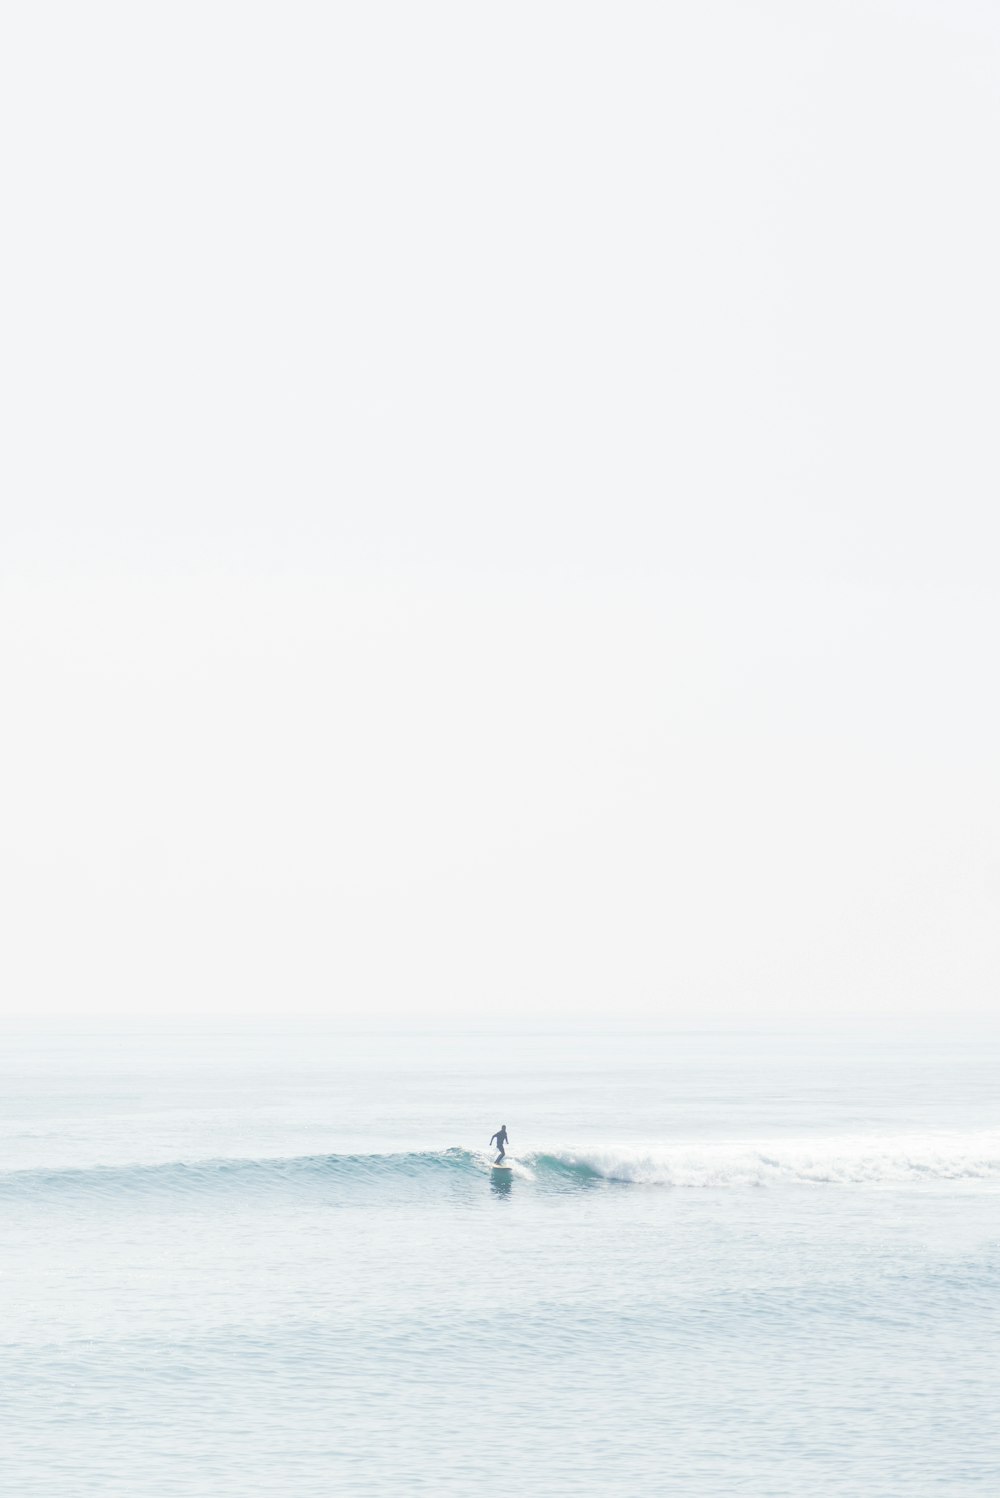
(259, 1261)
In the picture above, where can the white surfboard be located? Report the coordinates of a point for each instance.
(501, 1165)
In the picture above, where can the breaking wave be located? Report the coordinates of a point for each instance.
(845, 1161)
(833, 1161)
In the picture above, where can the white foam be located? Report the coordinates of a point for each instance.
(834, 1160)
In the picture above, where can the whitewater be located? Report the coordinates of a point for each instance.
(251, 1261)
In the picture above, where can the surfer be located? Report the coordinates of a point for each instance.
(501, 1140)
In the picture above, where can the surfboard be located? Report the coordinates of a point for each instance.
(503, 1165)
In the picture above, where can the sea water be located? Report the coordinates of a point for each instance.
(276, 1261)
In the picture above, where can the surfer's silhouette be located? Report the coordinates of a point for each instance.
(501, 1140)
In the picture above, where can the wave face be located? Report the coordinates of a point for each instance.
(839, 1161)
(302, 1173)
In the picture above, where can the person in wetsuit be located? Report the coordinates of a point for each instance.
(501, 1140)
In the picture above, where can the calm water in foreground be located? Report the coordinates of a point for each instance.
(277, 1263)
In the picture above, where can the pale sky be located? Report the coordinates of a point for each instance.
(500, 510)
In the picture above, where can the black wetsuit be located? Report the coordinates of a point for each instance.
(501, 1140)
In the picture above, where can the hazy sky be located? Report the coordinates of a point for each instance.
(500, 509)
